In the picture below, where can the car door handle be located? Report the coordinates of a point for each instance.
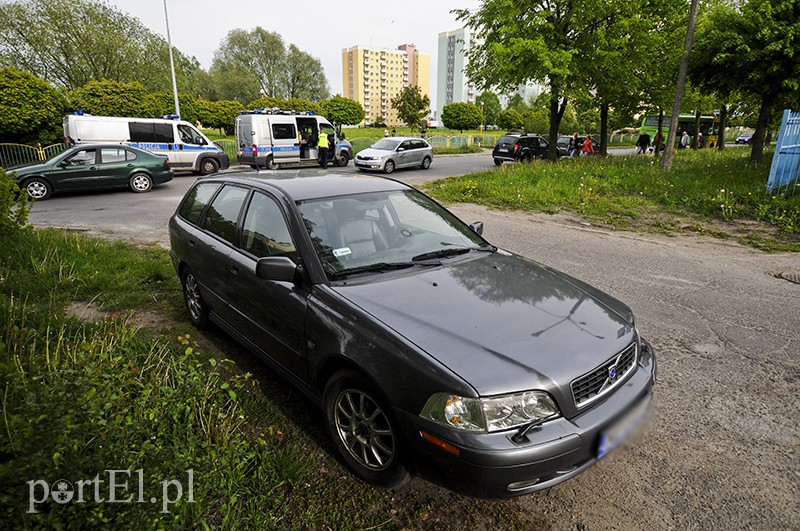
(234, 269)
(191, 242)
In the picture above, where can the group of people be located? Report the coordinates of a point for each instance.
(577, 147)
(643, 142)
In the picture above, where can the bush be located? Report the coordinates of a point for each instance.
(14, 205)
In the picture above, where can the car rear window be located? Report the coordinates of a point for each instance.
(505, 139)
(196, 201)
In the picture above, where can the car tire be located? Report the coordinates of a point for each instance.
(208, 166)
(195, 305)
(526, 159)
(140, 183)
(498, 162)
(342, 160)
(271, 164)
(363, 430)
(426, 163)
(38, 188)
(389, 167)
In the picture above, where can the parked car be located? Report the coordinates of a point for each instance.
(513, 147)
(745, 138)
(388, 154)
(95, 167)
(428, 349)
(563, 144)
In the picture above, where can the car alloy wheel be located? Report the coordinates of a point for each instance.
(426, 163)
(140, 183)
(389, 167)
(198, 313)
(38, 189)
(208, 166)
(363, 430)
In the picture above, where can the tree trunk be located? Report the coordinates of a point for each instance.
(680, 89)
(696, 128)
(657, 146)
(556, 112)
(757, 152)
(723, 124)
(604, 129)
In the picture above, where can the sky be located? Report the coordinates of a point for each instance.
(320, 28)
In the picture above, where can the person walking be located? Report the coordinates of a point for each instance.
(574, 146)
(701, 141)
(322, 144)
(588, 148)
(642, 143)
(685, 140)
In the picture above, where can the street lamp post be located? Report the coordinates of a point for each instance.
(172, 63)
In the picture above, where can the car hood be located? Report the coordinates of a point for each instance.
(501, 322)
(33, 167)
(379, 153)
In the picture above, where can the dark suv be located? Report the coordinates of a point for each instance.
(514, 147)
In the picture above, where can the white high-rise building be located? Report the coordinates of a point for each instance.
(452, 85)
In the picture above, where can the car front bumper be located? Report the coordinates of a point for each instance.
(494, 466)
(369, 164)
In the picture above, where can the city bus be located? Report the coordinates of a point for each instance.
(709, 126)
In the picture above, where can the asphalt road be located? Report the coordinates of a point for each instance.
(723, 445)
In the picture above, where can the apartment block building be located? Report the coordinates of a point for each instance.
(452, 85)
(373, 76)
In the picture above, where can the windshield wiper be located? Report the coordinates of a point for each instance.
(378, 267)
(453, 251)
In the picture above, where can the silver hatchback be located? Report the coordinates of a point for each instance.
(388, 154)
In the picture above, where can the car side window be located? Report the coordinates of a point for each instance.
(406, 145)
(84, 157)
(265, 232)
(130, 155)
(111, 155)
(284, 132)
(196, 201)
(190, 135)
(223, 212)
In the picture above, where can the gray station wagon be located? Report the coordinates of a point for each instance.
(429, 350)
(387, 154)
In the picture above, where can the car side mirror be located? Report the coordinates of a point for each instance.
(400, 149)
(278, 268)
(477, 227)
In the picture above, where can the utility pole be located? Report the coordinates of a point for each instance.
(172, 63)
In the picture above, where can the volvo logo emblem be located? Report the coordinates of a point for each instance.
(612, 372)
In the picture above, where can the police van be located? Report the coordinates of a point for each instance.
(267, 138)
(185, 146)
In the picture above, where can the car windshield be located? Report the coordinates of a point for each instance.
(386, 144)
(380, 231)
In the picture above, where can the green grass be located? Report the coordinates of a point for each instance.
(719, 188)
(80, 398)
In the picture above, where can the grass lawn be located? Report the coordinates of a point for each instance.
(718, 192)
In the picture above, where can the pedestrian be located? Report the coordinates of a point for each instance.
(685, 141)
(657, 143)
(385, 132)
(588, 148)
(394, 131)
(574, 146)
(323, 150)
(642, 143)
(701, 141)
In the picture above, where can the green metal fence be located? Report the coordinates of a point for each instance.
(229, 147)
(18, 154)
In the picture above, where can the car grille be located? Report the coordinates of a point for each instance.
(604, 378)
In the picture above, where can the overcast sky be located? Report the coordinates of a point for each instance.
(320, 28)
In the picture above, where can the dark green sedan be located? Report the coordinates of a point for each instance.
(95, 167)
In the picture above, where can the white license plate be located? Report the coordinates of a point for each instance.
(504, 150)
(624, 427)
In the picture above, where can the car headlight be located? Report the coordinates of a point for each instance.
(489, 414)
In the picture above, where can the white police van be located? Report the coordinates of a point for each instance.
(267, 138)
(185, 146)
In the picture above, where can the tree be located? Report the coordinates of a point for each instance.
(539, 40)
(752, 47)
(490, 104)
(256, 57)
(114, 98)
(305, 77)
(343, 111)
(31, 110)
(219, 114)
(294, 104)
(71, 42)
(412, 106)
(462, 116)
(509, 120)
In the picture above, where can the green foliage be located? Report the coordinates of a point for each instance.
(14, 205)
(343, 111)
(634, 191)
(163, 103)
(256, 64)
(71, 42)
(412, 106)
(30, 109)
(219, 114)
(535, 121)
(114, 98)
(293, 104)
(491, 107)
(462, 116)
(510, 119)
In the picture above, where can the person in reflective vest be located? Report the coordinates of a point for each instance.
(323, 149)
